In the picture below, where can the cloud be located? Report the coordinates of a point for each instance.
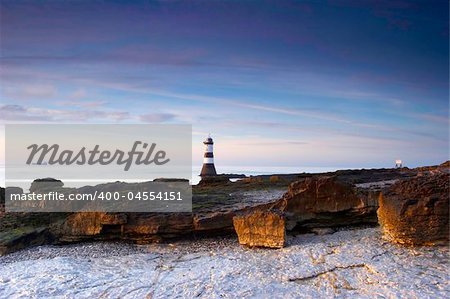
(274, 142)
(319, 114)
(227, 102)
(156, 117)
(432, 117)
(78, 94)
(83, 104)
(17, 113)
(117, 115)
(129, 55)
(31, 91)
(12, 108)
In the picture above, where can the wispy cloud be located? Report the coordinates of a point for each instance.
(18, 113)
(156, 117)
(82, 104)
(30, 91)
(78, 94)
(442, 119)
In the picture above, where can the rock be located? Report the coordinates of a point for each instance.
(147, 227)
(322, 231)
(137, 227)
(214, 181)
(274, 179)
(214, 207)
(171, 180)
(45, 184)
(360, 176)
(84, 225)
(12, 190)
(19, 238)
(313, 201)
(2, 201)
(445, 164)
(261, 229)
(214, 221)
(219, 219)
(6, 193)
(327, 202)
(416, 211)
(443, 167)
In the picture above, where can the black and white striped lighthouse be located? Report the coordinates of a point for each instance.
(208, 168)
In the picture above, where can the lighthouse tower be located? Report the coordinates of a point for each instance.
(208, 168)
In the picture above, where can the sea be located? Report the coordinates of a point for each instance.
(195, 178)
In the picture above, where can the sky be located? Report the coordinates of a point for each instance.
(345, 84)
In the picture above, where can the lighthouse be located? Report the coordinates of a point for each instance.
(208, 168)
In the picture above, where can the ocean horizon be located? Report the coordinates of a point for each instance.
(195, 175)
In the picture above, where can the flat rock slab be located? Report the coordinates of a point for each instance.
(346, 264)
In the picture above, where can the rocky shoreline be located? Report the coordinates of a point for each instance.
(307, 202)
(324, 226)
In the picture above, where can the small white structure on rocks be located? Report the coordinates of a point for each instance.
(398, 164)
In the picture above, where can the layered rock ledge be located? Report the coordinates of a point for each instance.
(327, 201)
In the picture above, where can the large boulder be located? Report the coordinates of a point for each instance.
(416, 211)
(327, 202)
(260, 229)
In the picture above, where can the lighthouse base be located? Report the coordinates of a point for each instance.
(208, 170)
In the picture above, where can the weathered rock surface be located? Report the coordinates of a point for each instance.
(416, 211)
(327, 202)
(84, 225)
(346, 264)
(136, 227)
(19, 238)
(261, 229)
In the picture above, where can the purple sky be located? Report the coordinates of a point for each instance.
(277, 83)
